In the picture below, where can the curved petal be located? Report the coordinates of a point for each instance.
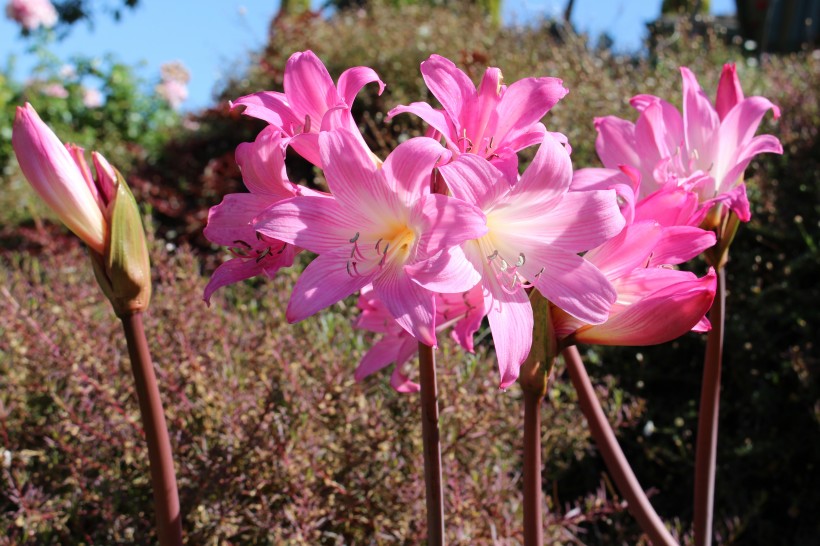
(307, 146)
(741, 122)
(548, 177)
(680, 244)
(354, 179)
(449, 271)
(523, 104)
(510, 318)
(269, 106)
(660, 317)
(572, 283)
(729, 92)
(412, 306)
(230, 223)
(436, 119)
(628, 250)
(449, 85)
(409, 168)
(262, 164)
(232, 271)
(378, 357)
(743, 156)
(308, 87)
(474, 180)
(353, 79)
(324, 281)
(700, 122)
(449, 222)
(318, 224)
(615, 143)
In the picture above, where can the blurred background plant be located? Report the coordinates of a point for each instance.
(275, 442)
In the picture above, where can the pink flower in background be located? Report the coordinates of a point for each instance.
(382, 226)
(535, 230)
(60, 175)
(494, 120)
(173, 86)
(92, 98)
(705, 151)
(230, 223)
(463, 311)
(32, 14)
(309, 94)
(56, 90)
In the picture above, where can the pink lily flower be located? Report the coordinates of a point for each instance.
(493, 120)
(383, 226)
(706, 150)
(299, 112)
(655, 303)
(463, 311)
(536, 229)
(62, 178)
(230, 223)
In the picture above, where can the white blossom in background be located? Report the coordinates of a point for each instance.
(56, 90)
(32, 14)
(92, 98)
(173, 86)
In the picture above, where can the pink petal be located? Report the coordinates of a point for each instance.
(449, 271)
(729, 92)
(510, 318)
(412, 306)
(409, 168)
(616, 142)
(628, 250)
(680, 244)
(324, 281)
(263, 165)
(741, 122)
(437, 119)
(548, 177)
(660, 317)
(570, 282)
(353, 79)
(670, 206)
(318, 224)
(269, 106)
(449, 85)
(473, 179)
(230, 223)
(523, 104)
(743, 156)
(232, 271)
(308, 87)
(700, 121)
(378, 357)
(354, 179)
(307, 146)
(448, 222)
(471, 305)
(479, 117)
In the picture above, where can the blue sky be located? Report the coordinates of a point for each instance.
(213, 37)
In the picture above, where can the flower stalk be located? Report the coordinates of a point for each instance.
(535, 373)
(637, 502)
(161, 462)
(432, 445)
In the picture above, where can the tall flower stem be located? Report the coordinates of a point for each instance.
(637, 502)
(534, 376)
(432, 445)
(533, 518)
(163, 477)
(706, 448)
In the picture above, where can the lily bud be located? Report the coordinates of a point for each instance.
(124, 270)
(57, 178)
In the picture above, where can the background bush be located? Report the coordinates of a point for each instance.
(275, 443)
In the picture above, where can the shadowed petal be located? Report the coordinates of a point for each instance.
(449, 85)
(510, 318)
(353, 79)
(412, 306)
(308, 86)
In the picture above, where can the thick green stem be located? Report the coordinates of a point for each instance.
(706, 448)
(432, 445)
(161, 462)
(637, 502)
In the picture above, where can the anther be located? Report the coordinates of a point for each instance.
(521, 260)
(307, 124)
(262, 255)
(492, 256)
(355, 238)
(242, 243)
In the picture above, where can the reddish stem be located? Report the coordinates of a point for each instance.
(161, 462)
(533, 527)
(637, 502)
(706, 448)
(432, 446)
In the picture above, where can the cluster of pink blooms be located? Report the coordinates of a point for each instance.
(446, 231)
(32, 14)
(173, 85)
